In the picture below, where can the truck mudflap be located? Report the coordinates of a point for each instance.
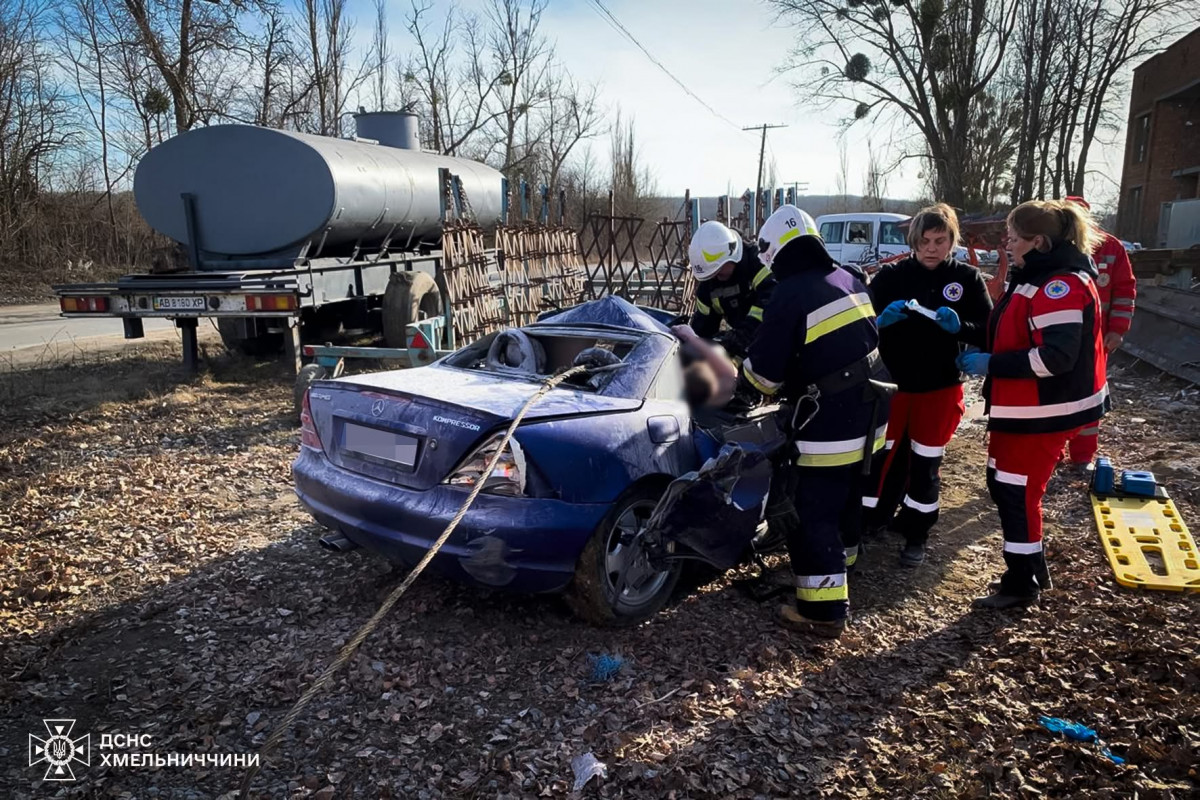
(714, 512)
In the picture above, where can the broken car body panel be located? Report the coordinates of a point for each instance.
(390, 441)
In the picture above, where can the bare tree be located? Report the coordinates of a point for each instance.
(452, 87)
(328, 33)
(631, 182)
(843, 178)
(191, 45)
(523, 56)
(925, 62)
(571, 115)
(34, 126)
(381, 56)
(80, 22)
(874, 181)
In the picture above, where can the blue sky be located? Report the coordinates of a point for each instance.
(727, 52)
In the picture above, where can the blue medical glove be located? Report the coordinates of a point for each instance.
(947, 320)
(973, 362)
(891, 314)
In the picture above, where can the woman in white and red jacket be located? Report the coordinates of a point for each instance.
(1045, 366)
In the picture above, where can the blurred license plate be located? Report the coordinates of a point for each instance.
(179, 304)
(395, 448)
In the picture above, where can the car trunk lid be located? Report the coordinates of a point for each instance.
(413, 427)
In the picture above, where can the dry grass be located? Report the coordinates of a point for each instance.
(156, 576)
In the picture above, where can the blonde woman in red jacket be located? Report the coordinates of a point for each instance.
(1045, 366)
(1117, 288)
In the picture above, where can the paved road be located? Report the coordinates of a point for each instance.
(37, 326)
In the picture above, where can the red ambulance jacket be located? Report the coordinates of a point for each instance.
(1048, 364)
(1115, 284)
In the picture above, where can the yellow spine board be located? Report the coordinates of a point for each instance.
(1147, 544)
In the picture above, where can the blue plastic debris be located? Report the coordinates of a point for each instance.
(1078, 732)
(605, 667)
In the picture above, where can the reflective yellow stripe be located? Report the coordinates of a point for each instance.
(841, 459)
(717, 306)
(839, 321)
(757, 382)
(701, 307)
(762, 275)
(788, 236)
(829, 593)
(711, 257)
(755, 313)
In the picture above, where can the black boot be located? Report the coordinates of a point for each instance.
(790, 618)
(1002, 601)
(913, 554)
(1045, 582)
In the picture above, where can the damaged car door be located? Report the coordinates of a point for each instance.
(714, 513)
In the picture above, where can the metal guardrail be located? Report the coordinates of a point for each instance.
(1166, 330)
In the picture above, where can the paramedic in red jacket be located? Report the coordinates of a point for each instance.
(1118, 291)
(1045, 366)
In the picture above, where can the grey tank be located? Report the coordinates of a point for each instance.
(262, 191)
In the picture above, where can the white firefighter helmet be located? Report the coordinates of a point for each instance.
(713, 245)
(787, 224)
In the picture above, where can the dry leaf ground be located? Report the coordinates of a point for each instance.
(157, 578)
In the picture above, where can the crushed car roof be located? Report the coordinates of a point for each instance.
(613, 311)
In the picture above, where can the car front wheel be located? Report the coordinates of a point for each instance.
(615, 584)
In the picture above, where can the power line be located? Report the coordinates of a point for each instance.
(615, 23)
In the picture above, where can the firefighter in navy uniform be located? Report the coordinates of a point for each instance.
(920, 355)
(731, 285)
(816, 349)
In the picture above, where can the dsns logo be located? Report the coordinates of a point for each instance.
(59, 750)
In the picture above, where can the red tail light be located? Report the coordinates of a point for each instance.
(419, 342)
(308, 429)
(83, 305)
(271, 302)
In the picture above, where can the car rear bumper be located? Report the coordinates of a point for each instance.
(524, 544)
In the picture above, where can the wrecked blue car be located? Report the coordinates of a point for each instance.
(388, 458)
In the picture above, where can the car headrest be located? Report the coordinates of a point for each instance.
(515, 350)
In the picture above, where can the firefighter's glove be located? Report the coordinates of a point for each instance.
(745, 397)
(973, 362)
(736, 342)
(947, 320)
(893, 313)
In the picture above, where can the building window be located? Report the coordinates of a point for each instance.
(1134, 206)
(1141, 138)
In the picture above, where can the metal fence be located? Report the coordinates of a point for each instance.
(645, 267)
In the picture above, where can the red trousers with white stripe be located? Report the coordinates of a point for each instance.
(920, 425)
(1019, 467)
(1083, 445)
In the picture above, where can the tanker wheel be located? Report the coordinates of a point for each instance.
(410, 297)
(233, 336)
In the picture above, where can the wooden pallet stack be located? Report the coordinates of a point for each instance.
(520, 293)
(477, 303)
(551, 273)
(565, 264)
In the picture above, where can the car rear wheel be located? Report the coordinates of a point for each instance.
(615, 584)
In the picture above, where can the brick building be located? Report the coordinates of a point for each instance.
(1162, 143)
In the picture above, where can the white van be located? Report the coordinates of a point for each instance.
(863, 237)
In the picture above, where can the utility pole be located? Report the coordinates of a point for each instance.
(797, 187)
(762, 150)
